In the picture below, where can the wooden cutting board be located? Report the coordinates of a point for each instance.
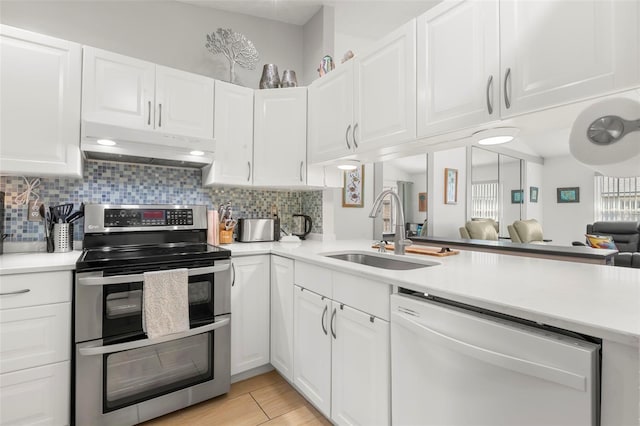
(429, 251)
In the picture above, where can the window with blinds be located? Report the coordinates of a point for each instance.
(485, 200)
(617, 198)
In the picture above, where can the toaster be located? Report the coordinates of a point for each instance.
(253, 230)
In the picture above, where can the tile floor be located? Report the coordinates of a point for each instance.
(266, 399)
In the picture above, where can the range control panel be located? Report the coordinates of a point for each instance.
(134, 218)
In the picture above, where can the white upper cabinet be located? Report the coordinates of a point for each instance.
(331, 115)
(118, 90)
(458, 66)
(128, 92)
(233, 131)
(367, 103)
(39, 105)
(555, 52)
(184, 103)
(385, 91)
(280, 137)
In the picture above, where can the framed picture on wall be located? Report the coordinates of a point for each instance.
(517, 196)
(533, 194)
(422, 201)
(450, 186)
(353, 188)
(568, 195)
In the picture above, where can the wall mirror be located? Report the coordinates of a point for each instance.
(496, 188)
(407, 177)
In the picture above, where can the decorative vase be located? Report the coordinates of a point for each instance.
(270, 78)
(289, 78)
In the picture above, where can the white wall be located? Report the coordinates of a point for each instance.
(447, 218)
(533, 177)
(564, 223)
(318, 41)
(354, 222)
(509, 181)
(164, 32)
(419, 185)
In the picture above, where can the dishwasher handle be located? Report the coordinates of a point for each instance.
(498, 359)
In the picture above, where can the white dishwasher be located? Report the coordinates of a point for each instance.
(452, 366)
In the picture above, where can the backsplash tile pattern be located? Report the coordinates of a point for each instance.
(122, 183)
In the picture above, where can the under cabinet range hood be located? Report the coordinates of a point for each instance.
(114, 143)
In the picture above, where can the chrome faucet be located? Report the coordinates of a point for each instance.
(399, 241)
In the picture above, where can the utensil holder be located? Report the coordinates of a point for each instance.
(226, 235)
(62, 237)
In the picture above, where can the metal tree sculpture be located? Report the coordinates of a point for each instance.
(235, 47)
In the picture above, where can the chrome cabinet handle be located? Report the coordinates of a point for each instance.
(490, 95)
(301, 166)
(160, 118)
(121, 279)
(126, 346)
(149, 117)
(24, 290)
(355, 142)
(249, 175)
(233, 270)
(507, 96)
(324, 314)
(333, 317)
(346, 137)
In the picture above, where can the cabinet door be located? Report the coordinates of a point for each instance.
(40, 104)
(34, 336)
(554, 52)
(280, 137)
(282, 316)
(36, 396)
(385, 91)
(360, 367)
(312, 347)
(233, 131)
(184, 104)
(117, 89)
(249, 313)
(458, 66)
(330, 115)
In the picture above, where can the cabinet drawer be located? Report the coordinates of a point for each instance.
(314, 278)
(371, 297)
(34, 336)
(36, 396)
(43, 288)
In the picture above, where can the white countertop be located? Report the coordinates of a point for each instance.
(599, 300)
(603, 301)
(23, 263)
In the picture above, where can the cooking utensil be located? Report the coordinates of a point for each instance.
(47, 230)
(229, 224)
(611, 128)
(62, 212)
(75, 216)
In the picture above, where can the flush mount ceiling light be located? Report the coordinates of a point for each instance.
(496, 136)
(348, 165)
(106, 142)
(196, 153)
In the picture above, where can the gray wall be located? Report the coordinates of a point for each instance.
(163, 32)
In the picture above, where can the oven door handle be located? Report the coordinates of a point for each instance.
(118, 347)
(123, 279)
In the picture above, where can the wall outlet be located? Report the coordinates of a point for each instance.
(34, 211)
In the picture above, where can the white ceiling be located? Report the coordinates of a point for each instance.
(296, 12)
(411, 165)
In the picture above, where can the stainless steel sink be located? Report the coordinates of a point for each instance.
(378, 261)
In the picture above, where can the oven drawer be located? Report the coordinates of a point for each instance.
(34, 336)
(20, 290)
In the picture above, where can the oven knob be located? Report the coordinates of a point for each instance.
(123, 213)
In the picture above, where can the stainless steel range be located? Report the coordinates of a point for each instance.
(121, 376)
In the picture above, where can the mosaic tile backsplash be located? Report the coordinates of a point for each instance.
(121, 183)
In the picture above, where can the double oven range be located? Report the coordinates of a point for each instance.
(121, 376)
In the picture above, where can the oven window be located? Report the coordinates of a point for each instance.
(141, 374)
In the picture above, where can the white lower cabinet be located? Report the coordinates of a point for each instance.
(36, 396)
(282, 316)
(249, 313)
(35, 343)
(341, 357)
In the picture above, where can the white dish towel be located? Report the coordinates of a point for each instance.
(165, 302)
